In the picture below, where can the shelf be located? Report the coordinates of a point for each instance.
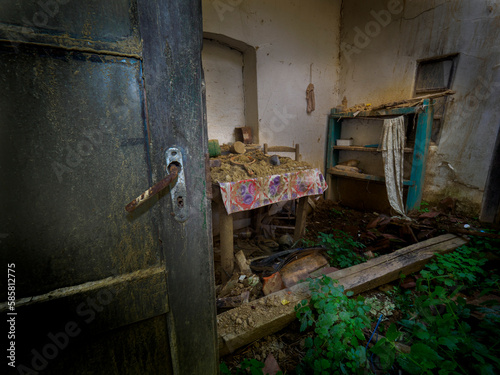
(367, 149)
(424, 114)
(376, 113)
(363, 176)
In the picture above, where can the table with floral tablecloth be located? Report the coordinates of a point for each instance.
(261, 191)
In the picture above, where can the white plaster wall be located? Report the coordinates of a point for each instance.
(288, 36)
(381, 68)
(224, 90)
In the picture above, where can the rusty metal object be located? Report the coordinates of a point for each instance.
(153, 190)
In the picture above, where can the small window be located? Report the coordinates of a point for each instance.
(433, 76)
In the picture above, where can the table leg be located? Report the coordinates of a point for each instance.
(226, 242)
(300, 222)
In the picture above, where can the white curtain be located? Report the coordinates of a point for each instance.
(392, 146)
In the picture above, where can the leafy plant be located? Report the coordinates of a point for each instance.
(402, 298)
(338, 323)
(307, 243)
(341, 248)
(336, 212)
(385, 348)
(424, 207)
(442, 340)
(463, 266)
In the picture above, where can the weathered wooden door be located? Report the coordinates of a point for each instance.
(93, 94)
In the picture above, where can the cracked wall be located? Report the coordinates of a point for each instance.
(381, 42)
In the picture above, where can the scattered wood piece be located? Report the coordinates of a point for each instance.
(470, 232)
(407, 234)
(244, 134)
(379, 221)
(426, 233)
(269, 314)
(272, 283)
(300, 269)
(429, 215)
(380, 245)
(241, 261)
(238, 148)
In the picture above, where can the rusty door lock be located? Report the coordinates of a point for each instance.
(178, 191)
(175, 170)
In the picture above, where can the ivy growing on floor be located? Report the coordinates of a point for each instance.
(438, 327)
(444, 337)
(338, 323)
(341, 248)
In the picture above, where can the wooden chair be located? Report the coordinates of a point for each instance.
(283, 149)
(301, 205)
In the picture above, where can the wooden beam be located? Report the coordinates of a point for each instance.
(363, 176)
(300, 223)
(366, 149)
(275, 311)
(226, 242)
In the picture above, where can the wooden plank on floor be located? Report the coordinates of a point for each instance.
(271, 313)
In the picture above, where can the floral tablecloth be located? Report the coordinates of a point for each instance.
(257, 192)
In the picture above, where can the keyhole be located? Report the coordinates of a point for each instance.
(180, 202)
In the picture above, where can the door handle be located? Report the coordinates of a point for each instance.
(175, 172)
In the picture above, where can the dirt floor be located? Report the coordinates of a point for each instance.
(379, 234)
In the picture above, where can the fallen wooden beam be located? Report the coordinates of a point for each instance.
(247, 323)
(471, 232)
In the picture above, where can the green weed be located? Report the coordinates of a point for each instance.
(338, 323)
(424, 207)
(341, 248)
